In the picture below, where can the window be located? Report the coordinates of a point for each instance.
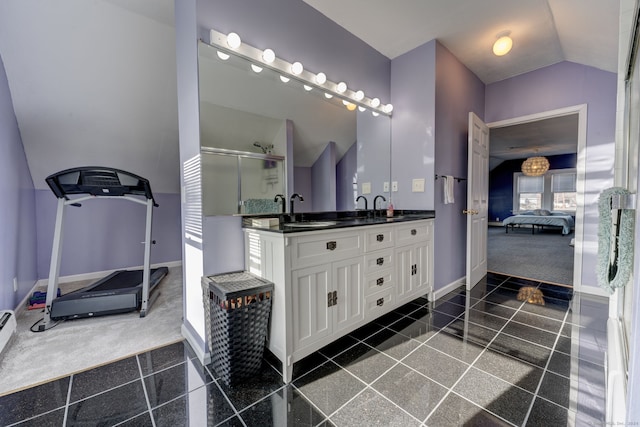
(530, 189)
(563, 187)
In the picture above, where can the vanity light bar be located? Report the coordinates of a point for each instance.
(255, 56)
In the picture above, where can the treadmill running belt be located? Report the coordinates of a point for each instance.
(122, 280)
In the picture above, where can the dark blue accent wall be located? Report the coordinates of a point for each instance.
(501, 183)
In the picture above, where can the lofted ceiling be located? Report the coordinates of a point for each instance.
(94, 81)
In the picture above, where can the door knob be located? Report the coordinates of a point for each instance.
(470, 212)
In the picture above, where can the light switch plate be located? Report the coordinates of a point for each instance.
(417, 186)
(366, 188)
(385, 187)
(394, 186)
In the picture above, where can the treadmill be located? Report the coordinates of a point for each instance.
(122, 291)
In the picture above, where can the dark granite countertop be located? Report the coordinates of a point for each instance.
(315, 221)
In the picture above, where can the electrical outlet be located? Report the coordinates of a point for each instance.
(15, 284)
(366, 188)
(394, 186)
(385, 187)
(417, 186)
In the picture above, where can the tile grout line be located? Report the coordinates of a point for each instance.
(544, 373)
(450, 390)
(146, 395)
(66, 406)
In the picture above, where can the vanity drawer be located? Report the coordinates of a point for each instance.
(413, 232)
(378, 238)
(376, 282)
(319, 248)
(375, 305)
(377, 261)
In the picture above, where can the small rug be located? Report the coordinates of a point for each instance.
(545, 256)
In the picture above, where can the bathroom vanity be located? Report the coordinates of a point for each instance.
(334, 274)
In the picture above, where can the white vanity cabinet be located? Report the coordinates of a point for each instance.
(414, 260)
(329, 282)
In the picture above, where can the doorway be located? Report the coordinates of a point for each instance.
(559, 135)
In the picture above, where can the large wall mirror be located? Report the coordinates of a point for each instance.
(291, 140)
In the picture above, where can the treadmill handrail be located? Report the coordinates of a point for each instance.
(98, 181)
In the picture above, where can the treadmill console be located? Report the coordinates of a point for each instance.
(98, 181)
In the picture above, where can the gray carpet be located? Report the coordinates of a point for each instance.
(77, 345)
(545, 256)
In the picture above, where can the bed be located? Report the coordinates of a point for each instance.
(540, 218)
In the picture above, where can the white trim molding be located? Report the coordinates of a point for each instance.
(439, 293)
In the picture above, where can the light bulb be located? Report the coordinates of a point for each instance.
(375, 102)
(502, 46)
(341, 87)
(284, 79)
(255, 68)
(268, 56)
(307, 87)
(351, 106)
(222, 55)
(328, 95)
(361, 109)
(388, 108)
(321, 78)
(375, 114)
(359, 95)
(233, 40)
(297, 68)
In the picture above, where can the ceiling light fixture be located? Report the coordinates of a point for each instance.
(503, 45)
(535, 166)
(231, 44)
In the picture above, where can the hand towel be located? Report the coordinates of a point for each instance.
(448, 189)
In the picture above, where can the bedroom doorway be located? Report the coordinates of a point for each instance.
(537, 252)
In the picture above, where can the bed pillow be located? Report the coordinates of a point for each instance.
(542, 212)
(526, 213)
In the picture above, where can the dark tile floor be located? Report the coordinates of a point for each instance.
(472, 358)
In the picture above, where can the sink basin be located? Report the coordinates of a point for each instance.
(313, 224)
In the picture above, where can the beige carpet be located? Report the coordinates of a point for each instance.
(77, 345)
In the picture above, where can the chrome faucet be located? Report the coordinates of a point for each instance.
(374, 202)
(293, 197)
(365, 202)
(282, 202)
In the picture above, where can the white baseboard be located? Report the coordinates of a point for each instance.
(195, 343)
(593, 290)
(439, 293)
(101, 274)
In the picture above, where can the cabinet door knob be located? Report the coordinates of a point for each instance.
(414, 232)
(380, 302)
(332, 245)
(380, 237)
(380, 261)
(380, 281)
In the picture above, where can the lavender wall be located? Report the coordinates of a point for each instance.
(297, 32)
(17, 210)
(105, 234)
(563, 85)
(458, 91)
(413, 77)
(323, 179)
(346, 175)
(302, 178)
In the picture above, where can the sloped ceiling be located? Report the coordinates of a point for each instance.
(94, 81)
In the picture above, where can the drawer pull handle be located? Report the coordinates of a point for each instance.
(380, 237)
(332, 245)
(380, 261)
(380, 302)
(380, 281)
(414, 232)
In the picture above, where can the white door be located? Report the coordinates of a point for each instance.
(347, 281)
(477, 200)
